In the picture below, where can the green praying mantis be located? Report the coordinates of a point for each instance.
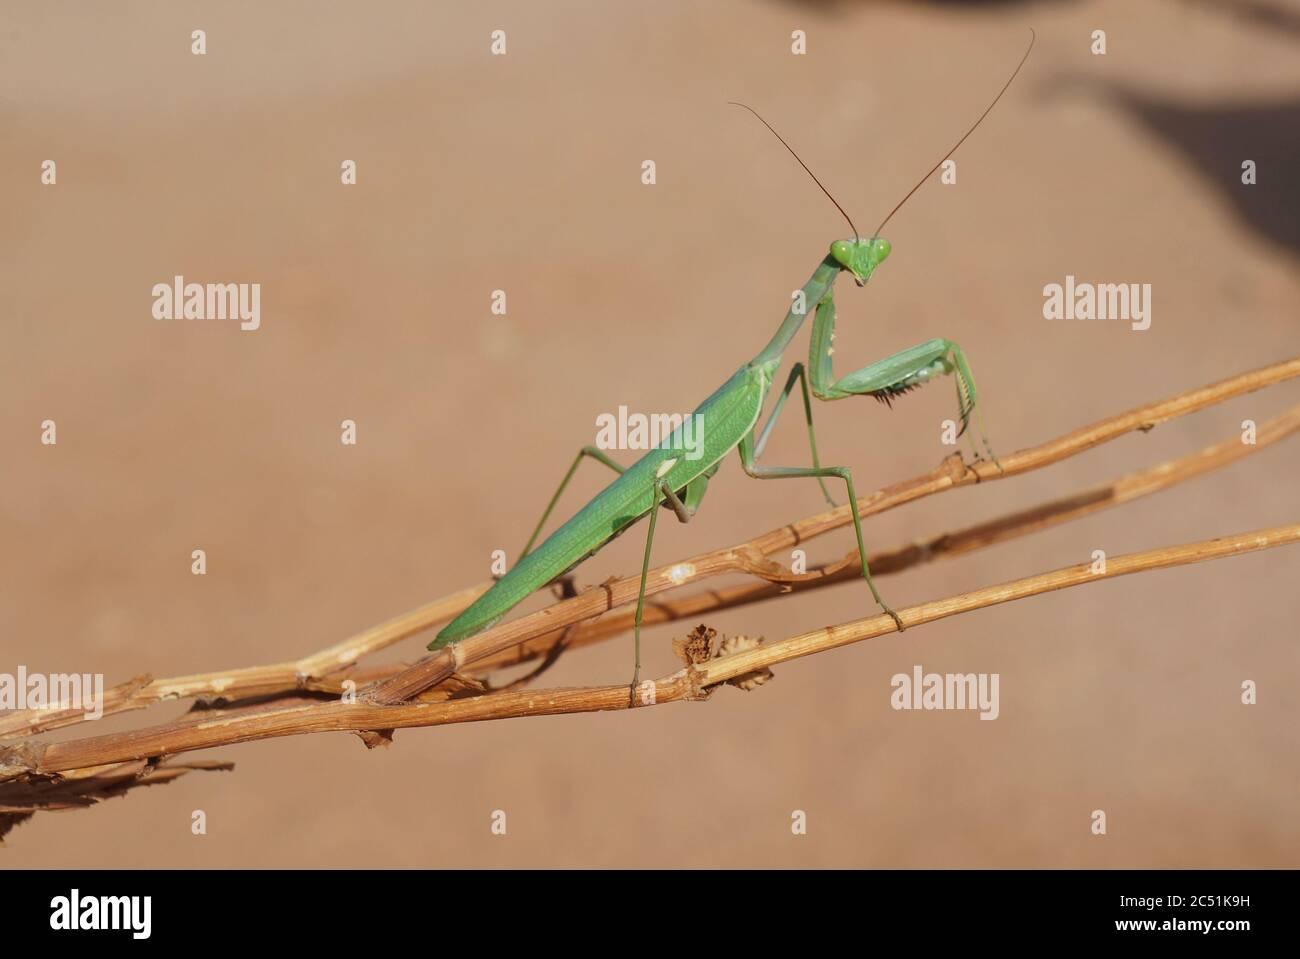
(666, 477)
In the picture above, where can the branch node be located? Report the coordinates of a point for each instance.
(20, 759)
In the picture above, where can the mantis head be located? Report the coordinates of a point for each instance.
(861, 257)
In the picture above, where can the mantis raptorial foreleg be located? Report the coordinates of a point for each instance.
(796, 373)
(895, 374)
(747, 461)
(595, 454)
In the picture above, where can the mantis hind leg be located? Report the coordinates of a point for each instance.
(747, 461)
(590, 451)
(895, 375)
(694, 491)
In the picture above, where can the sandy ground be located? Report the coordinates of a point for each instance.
(522, 173)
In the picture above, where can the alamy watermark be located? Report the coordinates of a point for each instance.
(922, 690)
(128, 913)
(647, 431)
(179, 300)
(23, 690)
(1098, 301)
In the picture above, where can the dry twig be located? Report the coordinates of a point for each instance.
(27, 760)
(304, 696)
(535, 635)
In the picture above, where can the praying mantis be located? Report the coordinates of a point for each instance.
(666, 477)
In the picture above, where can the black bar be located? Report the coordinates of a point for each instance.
(975, 908)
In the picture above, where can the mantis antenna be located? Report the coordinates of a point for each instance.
(736, 103)
(919, 183)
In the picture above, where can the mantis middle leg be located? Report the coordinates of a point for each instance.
(796, 373)
(685, 511)
(748, 456)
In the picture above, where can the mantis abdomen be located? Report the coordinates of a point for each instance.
(723, 419)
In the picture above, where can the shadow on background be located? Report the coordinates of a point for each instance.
(832, 5)
(1265, 14)
(1217, 138)
(1214, 138)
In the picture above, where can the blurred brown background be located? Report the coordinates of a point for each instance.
(522, 172)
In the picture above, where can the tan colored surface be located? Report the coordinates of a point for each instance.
(521, 173)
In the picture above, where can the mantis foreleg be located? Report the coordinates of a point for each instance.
(894, 375)
(747, 461)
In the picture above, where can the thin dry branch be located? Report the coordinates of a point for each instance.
(751, 556)
(239, 686)
(25, 760)
(322, 670)
(306, 674)
(1009, 526)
